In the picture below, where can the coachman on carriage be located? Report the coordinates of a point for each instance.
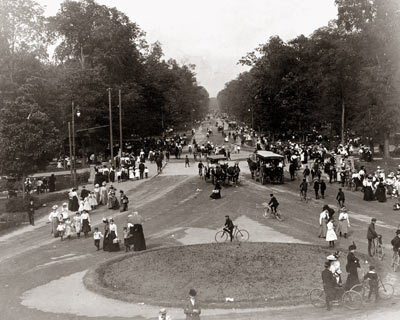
(266, 166)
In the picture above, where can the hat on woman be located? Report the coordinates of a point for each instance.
(398, 231)
(96, 185)
(55, 207)
(331, 258)
(163, 311)
(65, 204)
(104, 183)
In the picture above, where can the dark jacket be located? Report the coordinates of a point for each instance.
(340, 195)
(84, 193)
(352, 263)
(189, 310)
(328, 280)
(371, 233)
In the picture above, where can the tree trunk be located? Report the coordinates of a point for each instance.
(23, 186)
(342, 131)
(386, 154)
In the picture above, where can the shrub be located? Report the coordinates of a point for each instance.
(19, 205)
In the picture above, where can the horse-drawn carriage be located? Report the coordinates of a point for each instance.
(266, 166)
(218, 169)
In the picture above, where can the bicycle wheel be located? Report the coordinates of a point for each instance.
(379, 252)
(221, 236)
(279, 216)
(385, 291)
(352, 300)
(317, 298)
(242, 235)
(360, 288)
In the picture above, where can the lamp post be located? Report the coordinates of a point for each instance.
(73, 156)
(111, 133)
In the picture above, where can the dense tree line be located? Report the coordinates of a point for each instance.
(343, 78)
(96, 48)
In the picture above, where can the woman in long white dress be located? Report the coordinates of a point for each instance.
(330, 233)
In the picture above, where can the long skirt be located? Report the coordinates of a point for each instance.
(322, 230)
(111, 245)
(85, 226)
(343, 227)
(352, 280)
(74, 204)
(331, 235)
(380, 194)
(368, 194)
(216, 194)
(54, 225)
(106, 242)
(138, 238)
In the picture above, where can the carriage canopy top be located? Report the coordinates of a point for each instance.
(266, 155)
(216, 158)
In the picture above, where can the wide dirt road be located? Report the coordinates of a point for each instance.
(41, 276)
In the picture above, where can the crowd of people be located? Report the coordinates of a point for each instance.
(74, 219)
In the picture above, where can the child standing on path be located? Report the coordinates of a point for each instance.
(126, 234)
(372, 276)
(187, 164)
(97, 235)
(61, 229)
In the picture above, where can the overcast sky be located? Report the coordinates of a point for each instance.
(215, 34)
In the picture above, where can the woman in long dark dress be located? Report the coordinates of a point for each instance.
(380, 193)
(138, 238)
(113, 237)
(73, 203)
(52, 183)
(368, 189)
(106, 234)
(216, 194)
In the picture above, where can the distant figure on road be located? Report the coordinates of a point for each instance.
(52, 183)
(216, 194)
(200, 166)
(340, 198)
(31, 212)
(187, 163)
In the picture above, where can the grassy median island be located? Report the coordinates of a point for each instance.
(253, 274)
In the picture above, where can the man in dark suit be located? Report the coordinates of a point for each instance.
(192, 308)
(330, 285)
(371, 235)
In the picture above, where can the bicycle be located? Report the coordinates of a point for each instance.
(238, 234)
(269, 213)
(385, 290)
(350, 299)
(396, 260)
(378, 247)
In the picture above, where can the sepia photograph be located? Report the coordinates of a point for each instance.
(199, 159)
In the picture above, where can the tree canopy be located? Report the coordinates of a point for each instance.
(96, 48)
(343, 76)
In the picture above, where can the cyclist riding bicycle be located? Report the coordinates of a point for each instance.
(396, 244)
(273, 203)
(229, 226)
(303, 189)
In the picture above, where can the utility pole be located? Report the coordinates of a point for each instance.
(111, 132)
(70, 152)
(120, 123)
(73, 162)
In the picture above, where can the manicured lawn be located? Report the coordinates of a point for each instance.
(250, 273)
